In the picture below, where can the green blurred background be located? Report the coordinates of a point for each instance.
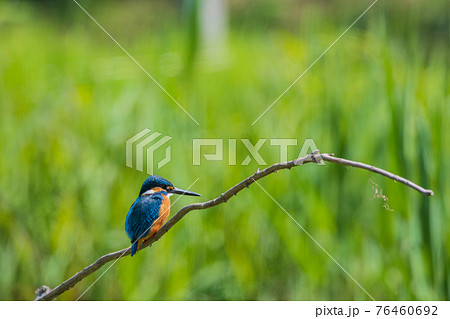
(70, 98)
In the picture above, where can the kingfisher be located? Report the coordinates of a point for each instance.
(150, 210)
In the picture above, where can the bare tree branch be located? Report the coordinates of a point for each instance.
(315, 157)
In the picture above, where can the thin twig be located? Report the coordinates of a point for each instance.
(315, 157)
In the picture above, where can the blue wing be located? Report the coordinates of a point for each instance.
(141, 216)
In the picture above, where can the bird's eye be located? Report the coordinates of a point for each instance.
(169, 188)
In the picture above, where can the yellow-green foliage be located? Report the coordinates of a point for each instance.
(70, 98)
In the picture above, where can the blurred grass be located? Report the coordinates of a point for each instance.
(69, 99)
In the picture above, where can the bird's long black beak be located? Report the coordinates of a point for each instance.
(183, 192)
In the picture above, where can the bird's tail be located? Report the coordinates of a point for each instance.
(134, 248)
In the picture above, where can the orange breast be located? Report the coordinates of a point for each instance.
(164, 212)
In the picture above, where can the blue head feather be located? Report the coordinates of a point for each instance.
(154, 181)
